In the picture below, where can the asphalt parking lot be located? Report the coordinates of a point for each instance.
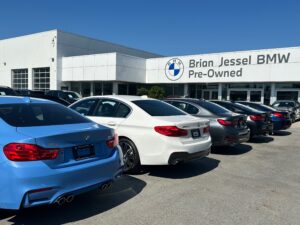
(254, 183)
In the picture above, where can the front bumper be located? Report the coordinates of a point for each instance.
(24, 179)
(178, 157)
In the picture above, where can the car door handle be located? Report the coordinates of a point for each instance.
(111, 124)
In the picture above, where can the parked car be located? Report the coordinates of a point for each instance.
(281, 119)
(69, 96)
(51, 153)
(226, 128)
(151, 131)
(42, 95)
(293, 107)
(257, 121)
(4, 90)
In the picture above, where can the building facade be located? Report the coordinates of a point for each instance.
(61, 60)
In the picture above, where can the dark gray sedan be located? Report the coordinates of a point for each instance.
(226, 128)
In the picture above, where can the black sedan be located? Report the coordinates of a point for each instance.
(258, 121)
(226, 128)
(293, 107)
(281, 119)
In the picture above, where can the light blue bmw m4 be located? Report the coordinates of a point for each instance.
(49, 153)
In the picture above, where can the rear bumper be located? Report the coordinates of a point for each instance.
(178, 157)
(20, 185)
(230, 137)
(282, 124)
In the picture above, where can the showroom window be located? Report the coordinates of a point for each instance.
(20, 79)
(41, 79)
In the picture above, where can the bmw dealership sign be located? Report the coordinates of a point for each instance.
(246, 66)
(174, 69)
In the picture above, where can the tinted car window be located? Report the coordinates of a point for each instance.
(158, 108)
(122, 111)
(190, 109)
(106, 108)
(214, 108)
(85, 107)
(7, 91)
(29, 115)
(284, 104)
(259, 107)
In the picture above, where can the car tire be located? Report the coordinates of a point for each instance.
(293, 118)
(130, 156)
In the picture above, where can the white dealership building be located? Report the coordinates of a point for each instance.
(59, 60)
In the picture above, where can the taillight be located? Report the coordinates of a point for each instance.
(225, 122)
(278, 114)
(257, 117)
(206, 130)
(111, 143)
(171, 131)
(29, 152)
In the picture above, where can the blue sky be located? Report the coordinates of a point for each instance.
(176, 27)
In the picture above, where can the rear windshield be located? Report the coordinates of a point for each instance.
(214, 108)
(158, 108)
(244, 108)
(284, 104)
(30, 115)
(261, 107)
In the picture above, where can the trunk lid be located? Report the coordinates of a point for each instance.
(78, 143)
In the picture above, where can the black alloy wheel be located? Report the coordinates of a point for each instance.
(130, 156)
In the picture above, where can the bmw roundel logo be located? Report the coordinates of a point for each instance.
(174, 69)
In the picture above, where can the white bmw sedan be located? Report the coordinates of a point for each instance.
(151, 131)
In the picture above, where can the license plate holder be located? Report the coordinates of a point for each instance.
(83, 152)
(196, 133)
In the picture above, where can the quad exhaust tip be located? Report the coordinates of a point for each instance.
(64, 199)
(106, 186)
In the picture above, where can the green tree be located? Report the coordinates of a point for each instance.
(142, 91)
(156, 92)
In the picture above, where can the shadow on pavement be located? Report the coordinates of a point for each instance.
(83, 206)
(185, 170)
(281, 133)
(236, 150)
(261, 139)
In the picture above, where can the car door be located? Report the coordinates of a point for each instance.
(110, 112)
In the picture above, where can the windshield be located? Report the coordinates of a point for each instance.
(29, 115)
(158, 108)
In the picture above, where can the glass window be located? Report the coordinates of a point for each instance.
(188, 108)
(122, 111)
(158, 108)
(86, 89)
(41, 79)
(20, 79)
(97, 88)
(107, 88)
(28, 115)
(255, 96)
(284, 104)
(213, 108)
(238, 95)
(85, 107)
(106, 108)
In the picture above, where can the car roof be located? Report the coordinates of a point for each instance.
(129, 98)
(20, 100)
